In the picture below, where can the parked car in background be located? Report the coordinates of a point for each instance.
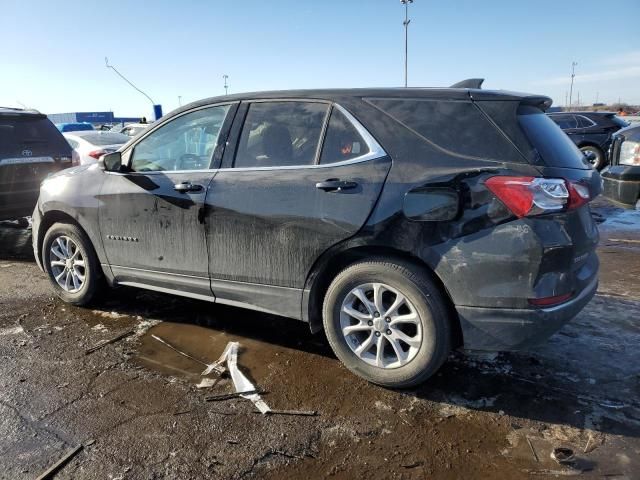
(403, 222)
(622, 176)
(31, 148)
(132, 129)
(74, 127)
(89, 146)
(590, 131)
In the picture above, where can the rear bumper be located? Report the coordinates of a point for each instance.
(499, 329)
(622, 184)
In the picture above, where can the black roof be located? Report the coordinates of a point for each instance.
(399, 92)
(19, 111)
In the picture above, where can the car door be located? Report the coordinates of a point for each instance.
(151, 214)
(282, 200)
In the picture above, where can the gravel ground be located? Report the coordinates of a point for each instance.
(136, 407)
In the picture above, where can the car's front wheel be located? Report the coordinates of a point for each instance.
(71, 263)
(387, 322)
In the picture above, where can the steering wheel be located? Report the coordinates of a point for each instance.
(189, 161)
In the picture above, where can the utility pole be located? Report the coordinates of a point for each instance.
(566, 99)
(226, 87)
(573, 74)
(406, 37)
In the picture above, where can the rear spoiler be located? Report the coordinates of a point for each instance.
(469, 83)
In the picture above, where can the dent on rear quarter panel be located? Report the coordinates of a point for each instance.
(484, 257)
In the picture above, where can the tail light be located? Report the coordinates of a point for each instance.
(550, 301)
(97, 153)
(527, 196)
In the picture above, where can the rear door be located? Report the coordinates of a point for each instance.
(283, 199)
(30, 149)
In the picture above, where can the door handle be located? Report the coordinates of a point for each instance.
(185, 187)
(335, 185)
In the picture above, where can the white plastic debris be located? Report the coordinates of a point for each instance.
(240, 381)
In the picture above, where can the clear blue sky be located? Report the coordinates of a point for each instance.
(52, 52)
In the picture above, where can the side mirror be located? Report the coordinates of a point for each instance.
(111, 162)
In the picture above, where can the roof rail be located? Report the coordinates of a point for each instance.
(469, 83)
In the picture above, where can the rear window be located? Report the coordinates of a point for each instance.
(106, 138)
(18, 133)
(619, 121)
(552, 144)
(459, 128)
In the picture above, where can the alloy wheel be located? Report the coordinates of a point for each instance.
(67, 264)
(380, 325)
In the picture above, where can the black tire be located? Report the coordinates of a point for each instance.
(599, 162)
(427, 299)
(92, 270)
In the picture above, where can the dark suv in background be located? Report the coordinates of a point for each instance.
(591, 132)
(403, 222)
(31, 148)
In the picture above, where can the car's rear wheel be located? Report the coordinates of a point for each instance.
(598, 161)
(71, 263)
(387, 322)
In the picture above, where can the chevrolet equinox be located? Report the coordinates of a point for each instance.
(403, 222)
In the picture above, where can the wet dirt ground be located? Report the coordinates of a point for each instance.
(136, 407)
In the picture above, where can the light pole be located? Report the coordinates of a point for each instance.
(573, 74)
(226, 87)
(157, 109)
(406, 36)
(179, 100)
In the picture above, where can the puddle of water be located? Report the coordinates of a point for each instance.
(205, 344)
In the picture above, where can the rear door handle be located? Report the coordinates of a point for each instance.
(184, 187)
(335, 185)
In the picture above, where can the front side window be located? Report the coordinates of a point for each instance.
(342, 141)
(184, 143)
(280, 134)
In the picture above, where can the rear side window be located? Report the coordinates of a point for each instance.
(584, 122)
(553, 145)
(23, 133)
(458, 128)
(342, 140)
(280, 134)
(565, 121)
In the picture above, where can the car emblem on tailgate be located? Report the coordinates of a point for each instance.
(27, 153)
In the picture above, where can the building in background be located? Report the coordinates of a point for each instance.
(95, 118)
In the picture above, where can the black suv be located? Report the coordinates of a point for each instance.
(591, 132)
(31, 148)
(403, 222)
